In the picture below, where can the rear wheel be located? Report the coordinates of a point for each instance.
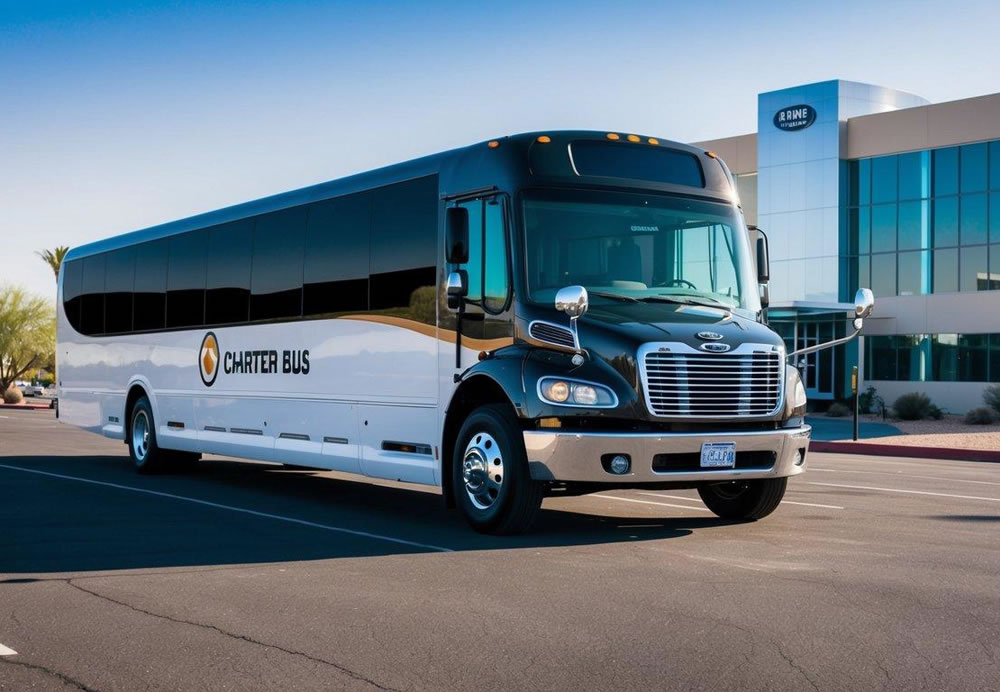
(490, 478)
(744, 500)
(147, 456)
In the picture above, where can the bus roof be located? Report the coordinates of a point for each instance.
(515, 149)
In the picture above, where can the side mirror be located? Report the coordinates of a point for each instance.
(573, 300)
(864, 303)
(456, 237)
(457, 288)
(763, 259)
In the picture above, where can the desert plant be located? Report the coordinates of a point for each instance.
(13, 395)
(983, 415)
(870, 402)
(915, 406)
(991, 396)
(838, 410)
(54, 258)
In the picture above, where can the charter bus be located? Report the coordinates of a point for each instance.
(540, 314)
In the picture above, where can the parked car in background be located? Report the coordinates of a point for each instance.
(35, 390)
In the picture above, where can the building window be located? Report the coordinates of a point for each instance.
(933, 357)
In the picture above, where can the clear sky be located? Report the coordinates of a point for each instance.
(120, 115)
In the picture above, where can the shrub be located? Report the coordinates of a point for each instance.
(870, 402)
(991, 395)
(916, 406)
(838, 410)
(983, 415)
(13, 395)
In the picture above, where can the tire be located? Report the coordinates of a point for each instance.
(498, 503)
(146, 455)
(744, 500)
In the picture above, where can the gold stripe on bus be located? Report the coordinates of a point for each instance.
(446, 335)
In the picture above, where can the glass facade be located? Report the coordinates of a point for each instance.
(933, 357)
(925, 221)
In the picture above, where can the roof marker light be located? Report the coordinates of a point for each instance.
(544, 139)
(612, 135)
(710, 154)
(633, 138)
(493, 144)
(653, 140)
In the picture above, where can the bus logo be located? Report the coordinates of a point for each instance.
(709, 336)
(715, 347)
(208, 359)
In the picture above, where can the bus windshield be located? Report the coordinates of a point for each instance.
(638, 247)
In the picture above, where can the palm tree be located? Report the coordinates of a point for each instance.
(54, 258)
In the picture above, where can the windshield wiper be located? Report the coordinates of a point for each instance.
(687, 300)
(614, 296)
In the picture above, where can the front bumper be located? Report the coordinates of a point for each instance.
(576, 456)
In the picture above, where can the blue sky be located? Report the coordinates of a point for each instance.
(116, 116)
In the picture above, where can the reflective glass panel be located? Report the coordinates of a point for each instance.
(946, 222)
(973, 175)
(995, 217)
(914, 175)
(972, 358)
(945, 171)
(914, 225)
(973, 267)
(946, 271)
(884, 274)
(884, 183)
(995, 165)
(914, 273)
(994, 282)
(883, 227)
(864, 230)
(944, 357)
(882, 358)
(973, 219)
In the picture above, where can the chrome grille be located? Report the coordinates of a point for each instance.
(683, 382)
(551, 333)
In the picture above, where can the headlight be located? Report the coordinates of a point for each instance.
(574, 393)
(795, 394)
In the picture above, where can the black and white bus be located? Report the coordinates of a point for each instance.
(540, 314)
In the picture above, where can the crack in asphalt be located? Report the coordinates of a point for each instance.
(242, 637)
(48, 671)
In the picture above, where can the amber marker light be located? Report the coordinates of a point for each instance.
(710, 154)
(653, 140)
(544, 139)
(493, 144)
(633, 138)
(612, 136)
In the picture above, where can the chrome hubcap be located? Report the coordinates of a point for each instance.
(140, 435)
(482, 470)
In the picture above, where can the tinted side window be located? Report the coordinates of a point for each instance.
(72, 276)
(118, 284)
(186, 280)
(150, 296)
(337, 254)
(276, 282)
(404, 248)
(92, 305)
(474, 267)
(496, 285)
(227, 299)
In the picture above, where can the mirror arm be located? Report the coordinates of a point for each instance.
(829, 344)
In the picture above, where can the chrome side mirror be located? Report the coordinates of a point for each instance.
(457, 288)
(573, 300)
(864, 303)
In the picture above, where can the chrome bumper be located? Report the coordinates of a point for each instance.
(573, 456)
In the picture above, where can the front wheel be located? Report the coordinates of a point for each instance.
(744, 500)
(490, 478)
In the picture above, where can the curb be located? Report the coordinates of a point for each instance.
(888, 450)
(25, 407)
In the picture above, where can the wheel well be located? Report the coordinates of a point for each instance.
(470, 395)
(134, 392)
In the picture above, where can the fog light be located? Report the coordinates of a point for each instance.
(584, 394)
(620, 464)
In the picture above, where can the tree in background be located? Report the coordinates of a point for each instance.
(27, 333)
(54, 257)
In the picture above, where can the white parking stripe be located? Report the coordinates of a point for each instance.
(241, 510)
(649, 502)
(903, 474)
(6, 651)
(912, 492)
(672, 497)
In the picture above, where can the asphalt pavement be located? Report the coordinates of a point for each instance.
(875, 573)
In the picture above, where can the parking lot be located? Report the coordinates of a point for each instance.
(875, 573)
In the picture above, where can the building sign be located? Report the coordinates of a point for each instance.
(795, 117)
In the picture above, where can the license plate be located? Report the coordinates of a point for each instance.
(716, 455)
